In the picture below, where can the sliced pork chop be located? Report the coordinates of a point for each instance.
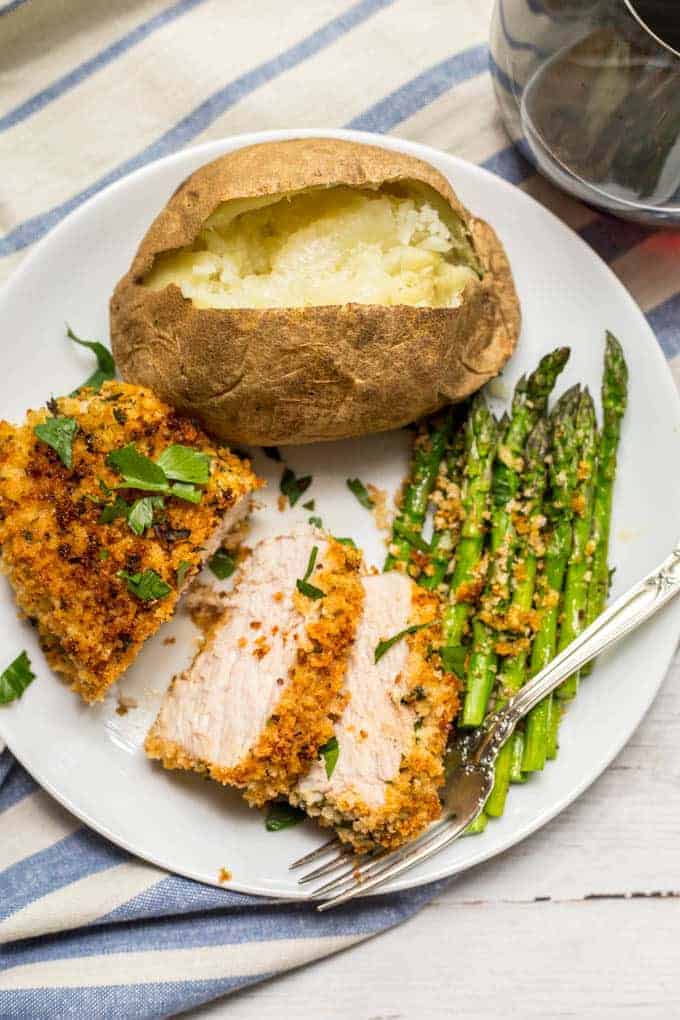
(382, 790)
(67, 542)
(263, 694)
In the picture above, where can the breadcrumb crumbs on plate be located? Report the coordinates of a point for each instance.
(381, 512)
(169, 640)
(224, 875)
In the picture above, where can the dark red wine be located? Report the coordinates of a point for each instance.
(662, 17)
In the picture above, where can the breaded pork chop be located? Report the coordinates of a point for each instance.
(263, 694)
(383, 789)
(84, 580)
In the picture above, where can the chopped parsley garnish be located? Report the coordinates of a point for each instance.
(104, 554)
(181, 464)
(106, 366)
(357, 487)
(141, 513)
(453, 659)
(347, 541)
(222, 564)
(302, 584)
(15, 679)
(292, 486)
(272, 452)
(330, 752)
(183, 490)
(384, 646)
(316, 521)
(309, 505)
(281, 816)
(137, 471)
(184, 464)
(119, 508)
(147, 585)
(58, 433)
(182, 572)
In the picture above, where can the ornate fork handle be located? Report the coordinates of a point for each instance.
(623, 616)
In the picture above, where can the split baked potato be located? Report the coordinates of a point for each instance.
(314, 289)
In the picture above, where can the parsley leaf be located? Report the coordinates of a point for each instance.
(58, 433)
(182, 490)
(292, 486)
(184, 464)
(453, 659)
(302, 584)
(104, 554)
(316, 521)
(309, 505)
(281, 816)
(146, 585)
(311, 562)
(138, 471)
(222, 564)
(15, 679)
(330, 753)
(106, 366)
(119, 508)
(182, 572)
(384, 646)
(141, 513)
(346, 541)
(357, 487)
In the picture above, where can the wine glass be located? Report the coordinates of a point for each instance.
(590, 91)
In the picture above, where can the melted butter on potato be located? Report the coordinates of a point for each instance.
(397, 245)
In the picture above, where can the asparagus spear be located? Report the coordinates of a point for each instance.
(563, 472)
(514, 670)
(614, 399)
(428, 451)
(529, 403)
(447, 513)
(480, 448)
(517, 773)
(578, 572)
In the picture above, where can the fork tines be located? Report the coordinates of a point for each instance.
(359, 873)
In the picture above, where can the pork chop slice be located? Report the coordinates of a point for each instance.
(67, 540)
(264, 692)
(390, 739)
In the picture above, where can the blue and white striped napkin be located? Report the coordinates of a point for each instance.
(89, 91)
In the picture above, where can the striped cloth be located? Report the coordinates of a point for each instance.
(91, 91)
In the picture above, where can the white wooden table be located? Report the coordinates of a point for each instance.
(580, 920)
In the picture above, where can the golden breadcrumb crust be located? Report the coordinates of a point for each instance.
(412, 799)
(305, 714)
(62, 562)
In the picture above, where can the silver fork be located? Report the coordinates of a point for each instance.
(470, 784)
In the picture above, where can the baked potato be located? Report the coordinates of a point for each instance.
(314, 289)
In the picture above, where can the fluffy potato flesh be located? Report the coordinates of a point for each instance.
(395, 245)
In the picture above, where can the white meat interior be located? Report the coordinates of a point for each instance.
(375, 729)
(218, 709)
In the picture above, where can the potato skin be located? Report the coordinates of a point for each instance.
(296, 375)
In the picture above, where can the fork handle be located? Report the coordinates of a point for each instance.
(623, 616)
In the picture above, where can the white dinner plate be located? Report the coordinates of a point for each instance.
(91, 758)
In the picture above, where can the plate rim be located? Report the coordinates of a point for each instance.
(212, 149)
